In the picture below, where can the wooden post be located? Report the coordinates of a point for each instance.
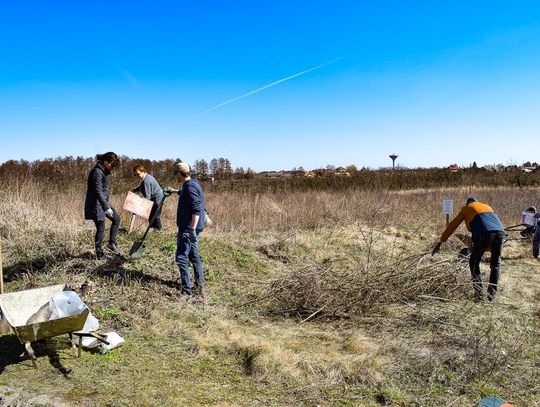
(448, 209)
(80, 347)
(132, 223)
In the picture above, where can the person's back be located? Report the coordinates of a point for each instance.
(483, 219)
(151, 189)
(479, 219)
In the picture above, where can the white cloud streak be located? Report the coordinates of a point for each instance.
(253, 92)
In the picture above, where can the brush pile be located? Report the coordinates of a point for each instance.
(340, 293)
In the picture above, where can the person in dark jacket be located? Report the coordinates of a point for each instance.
(150, 189)
(97, 206)
(487, 233)
(190, 222)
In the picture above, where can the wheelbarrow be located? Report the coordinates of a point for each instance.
(26, 313)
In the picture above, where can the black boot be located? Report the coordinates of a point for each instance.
(113, 248)
(99, 252)
(491, 293)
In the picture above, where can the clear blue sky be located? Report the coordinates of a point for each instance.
(436, 82)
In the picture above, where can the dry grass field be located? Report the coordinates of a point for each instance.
(313, 298)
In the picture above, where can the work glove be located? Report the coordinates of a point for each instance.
(109, 212)
(167, 191)
(436, 248)
(207, 220)
(192, 235)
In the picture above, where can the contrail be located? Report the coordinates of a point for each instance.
(288, 78)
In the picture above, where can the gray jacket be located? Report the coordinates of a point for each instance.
(150, 189)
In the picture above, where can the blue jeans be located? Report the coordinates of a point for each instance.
(187, 251)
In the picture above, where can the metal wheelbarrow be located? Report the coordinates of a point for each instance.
(25, 312)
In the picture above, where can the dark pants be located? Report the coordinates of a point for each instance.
(536, 242)
(487, 240)
(188, 251)
(100, 231)
(155, 222)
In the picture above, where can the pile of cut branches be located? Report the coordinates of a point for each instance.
(340, 293)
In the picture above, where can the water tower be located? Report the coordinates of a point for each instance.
(393, 157)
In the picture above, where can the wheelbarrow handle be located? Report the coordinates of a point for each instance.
(101, 338)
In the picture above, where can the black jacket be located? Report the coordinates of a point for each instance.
(97, 194)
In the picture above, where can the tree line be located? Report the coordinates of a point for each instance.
(220, 168)
(69, 172)
(65, 169)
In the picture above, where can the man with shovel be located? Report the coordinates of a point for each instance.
(487, 233)
(190, 222)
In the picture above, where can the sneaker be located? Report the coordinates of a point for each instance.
(198, 291)
(113, 248)
(187, 297)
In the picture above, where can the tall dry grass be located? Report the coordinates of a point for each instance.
(38, 223)
(39, 219)
(263, 212)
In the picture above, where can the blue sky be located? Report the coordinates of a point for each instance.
(435, 82)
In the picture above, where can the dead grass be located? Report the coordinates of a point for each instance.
(394, 328)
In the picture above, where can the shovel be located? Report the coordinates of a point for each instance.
(137, 249)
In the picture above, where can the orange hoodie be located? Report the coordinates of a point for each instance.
(479, 218)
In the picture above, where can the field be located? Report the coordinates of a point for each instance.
(327, 298)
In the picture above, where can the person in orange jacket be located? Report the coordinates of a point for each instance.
(487, 232)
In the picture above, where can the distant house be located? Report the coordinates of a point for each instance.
(528, 169)
(309, 174)
(341, 172)
(453, 168)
